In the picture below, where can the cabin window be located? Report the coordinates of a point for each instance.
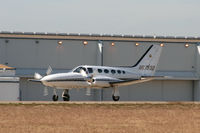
(113, 71)
(118, 71)
(90, 70)
(106, 71)
(99, 70)
(123, 72)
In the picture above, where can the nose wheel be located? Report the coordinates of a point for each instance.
(55, 98)
(65, 95)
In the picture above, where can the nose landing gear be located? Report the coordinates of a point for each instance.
(55, 96)
(65, 95)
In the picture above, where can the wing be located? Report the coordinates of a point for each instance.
(134, 81)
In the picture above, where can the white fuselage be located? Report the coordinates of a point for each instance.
(86, 76)
(102, 77)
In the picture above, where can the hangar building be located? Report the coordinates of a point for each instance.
(31, 52)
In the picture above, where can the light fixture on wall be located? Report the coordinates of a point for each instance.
(162, 45)
(112, 44)
(60, 42)
(85, 42)
(187, 45)
(137, 44)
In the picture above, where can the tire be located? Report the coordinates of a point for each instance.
(115, 98)
(55, 98)
(66, 97)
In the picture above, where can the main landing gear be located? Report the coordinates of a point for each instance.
(55, 98)
(115, 98)
(115, 94)
(65, 95)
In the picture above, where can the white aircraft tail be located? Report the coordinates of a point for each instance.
(146, 65)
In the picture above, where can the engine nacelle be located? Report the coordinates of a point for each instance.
(99, 82)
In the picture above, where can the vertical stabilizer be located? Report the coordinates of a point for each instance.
(146, 65)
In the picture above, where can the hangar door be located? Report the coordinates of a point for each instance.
(166, 90)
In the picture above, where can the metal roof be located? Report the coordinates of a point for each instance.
(102, 37)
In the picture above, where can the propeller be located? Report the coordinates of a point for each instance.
(87, 77)
(49, 70)
(45, 93)
(90, 80)
(88, 92)
(83, 73)
(37, 76)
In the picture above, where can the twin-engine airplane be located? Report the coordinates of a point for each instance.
(98, 77)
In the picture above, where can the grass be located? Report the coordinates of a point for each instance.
(138, 117)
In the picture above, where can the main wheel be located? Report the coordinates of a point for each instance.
(55, 98)
(66, 97)
(115, 98)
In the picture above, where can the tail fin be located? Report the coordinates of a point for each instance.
(147, 64)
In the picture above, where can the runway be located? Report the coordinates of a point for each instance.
(97, 103)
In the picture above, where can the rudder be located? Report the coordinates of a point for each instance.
(147, 64)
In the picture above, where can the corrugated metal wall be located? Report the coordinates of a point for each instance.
(30, 54)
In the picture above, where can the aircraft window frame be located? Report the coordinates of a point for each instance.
(78, 70)
(106, 71)
(119, 71)
(99, 70)
(123, 72)
(113, 71)
(90, 70)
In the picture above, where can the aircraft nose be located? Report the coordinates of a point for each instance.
(45, 79)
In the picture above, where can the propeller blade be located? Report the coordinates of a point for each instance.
(91, 78)
(88, 92)
(83, 73)
(37, 76)
(49, 70)
(45, 91)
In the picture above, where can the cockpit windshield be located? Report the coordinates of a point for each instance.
(78, 70)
